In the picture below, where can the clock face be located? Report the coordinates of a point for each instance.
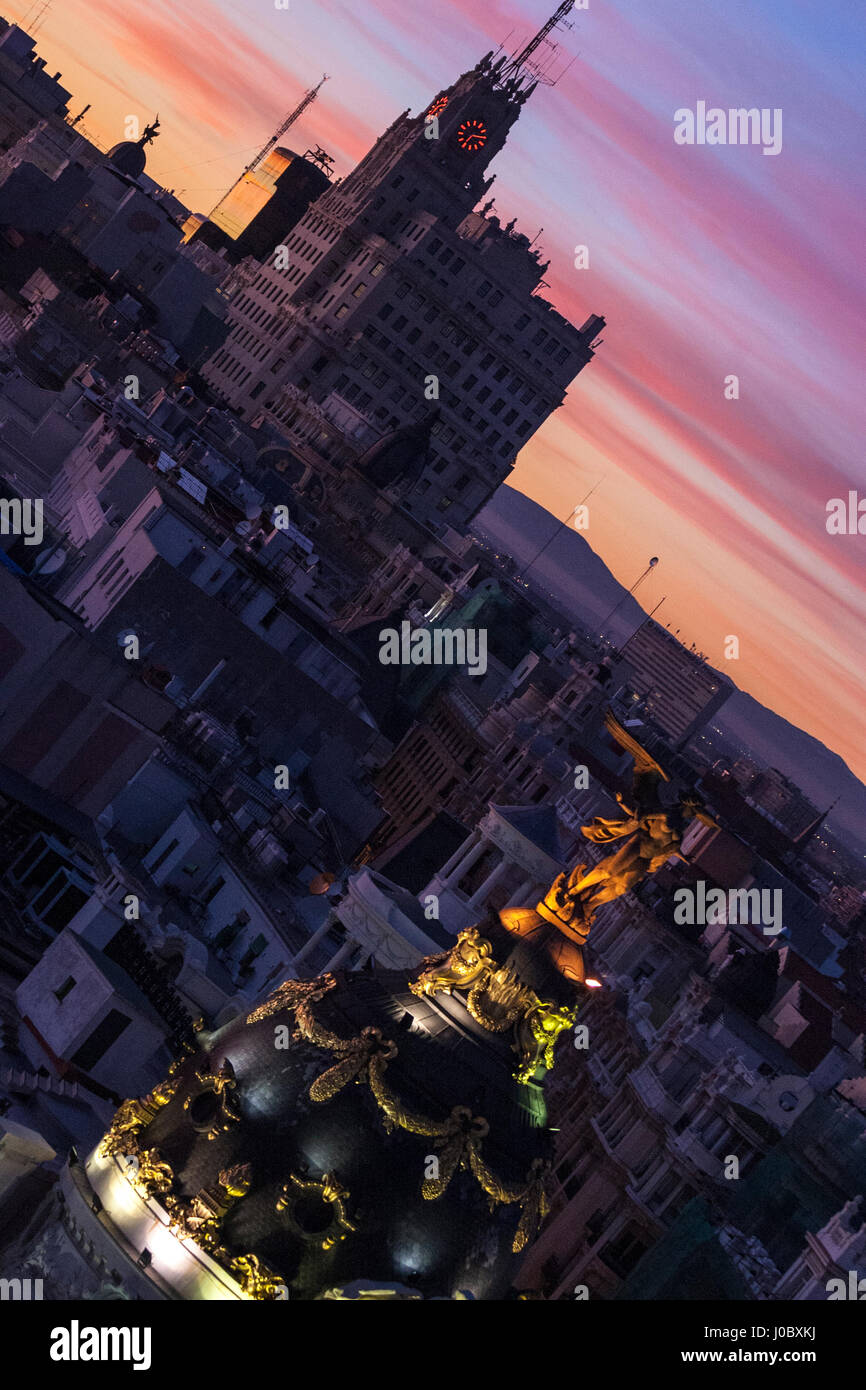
(472, 135)
(437, 108)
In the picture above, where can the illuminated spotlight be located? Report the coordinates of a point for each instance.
(592, 983)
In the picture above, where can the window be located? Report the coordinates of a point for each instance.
(414, 335)
(385, 312)
(484, 393)
(470, 382)
(395, 183)
(501, 374)
(64, 989)
(446, 256)
(495, 298)
(400, 323)
(522, 323)
(377, 269)
(622, 1254)
(487, 361)
(510, 417)
(212, 890)
(435, 245)
(104, 1035)
(540, 337)
(498, 406)
(160, 859)
(358, 290)
(457, 266)
(484, 289)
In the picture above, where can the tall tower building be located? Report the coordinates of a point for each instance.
(682, 692)
(395, 290)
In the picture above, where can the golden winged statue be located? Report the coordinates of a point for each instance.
(650, 832)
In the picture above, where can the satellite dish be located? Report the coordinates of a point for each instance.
(50, 561)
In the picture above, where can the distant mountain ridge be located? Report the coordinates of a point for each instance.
(581, 583)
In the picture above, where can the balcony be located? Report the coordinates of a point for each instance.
(688, 1146)
(653, 1095)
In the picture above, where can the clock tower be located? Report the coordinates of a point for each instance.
(394, 285)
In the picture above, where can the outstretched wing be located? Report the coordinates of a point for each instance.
(642, 760)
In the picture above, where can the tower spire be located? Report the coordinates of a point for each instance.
(521, 61)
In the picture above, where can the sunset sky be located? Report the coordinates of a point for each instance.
(705, 261)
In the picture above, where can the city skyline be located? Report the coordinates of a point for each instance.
(731, 494)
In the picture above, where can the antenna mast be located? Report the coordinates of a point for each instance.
(299, 110)
(522, 59)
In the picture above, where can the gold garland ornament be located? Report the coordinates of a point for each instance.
(290, 994)
(356, 1056)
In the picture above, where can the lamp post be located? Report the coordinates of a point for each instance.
(651, 566)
